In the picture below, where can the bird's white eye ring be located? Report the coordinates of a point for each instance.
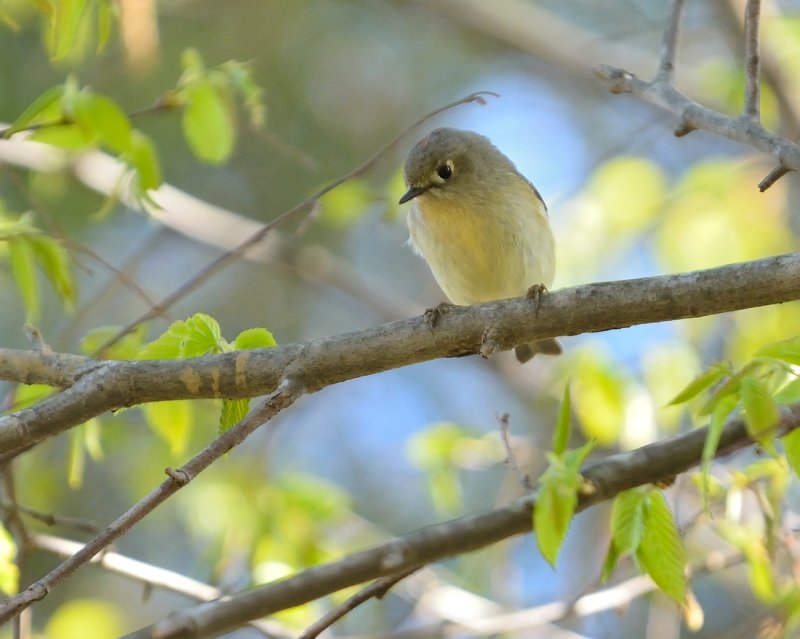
(445, 171)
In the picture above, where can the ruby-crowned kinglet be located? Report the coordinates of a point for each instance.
(480, 225)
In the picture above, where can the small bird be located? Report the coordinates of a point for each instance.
(479, 223)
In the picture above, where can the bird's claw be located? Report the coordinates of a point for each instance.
(434, 314)
(534, 295)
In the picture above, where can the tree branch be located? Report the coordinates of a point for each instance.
(752, 63)
(746, 129)
(285, 395)
(653, 463)
(99, 386)
(669, 44)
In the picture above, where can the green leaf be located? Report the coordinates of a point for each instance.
(791, 445)
(143, 158)
(719, 416)
(233, 411)
(22, 259)
(628, 521)
(101, 117)
(760, 411)
(557, 499)
(203, 336)
(54, 261)
(700, 383)
(172, 422)
(127, 347)
(41, 104)
(346, 203)
(105, 15)
(76, 459)
(240, 76)
(64, 26)
(208, 122)
(254, 338)
(786, 350)
(563, 424)
(553, 512)
(610, 562)
(729, 388)
(789, 394)
(661, 552)
(67, 136)
(760, 572)
(9, 571)
(198, 335)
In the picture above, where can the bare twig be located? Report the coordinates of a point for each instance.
(99, 386)
(53, 520)
(376, 590)
(511, 459)
(669, 44)
(296, 211)
(151, 576)
(692, 116)
(623, 471)
(752, 88)
(285, 395)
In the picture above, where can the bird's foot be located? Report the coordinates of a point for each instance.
(434, 314)
(534, 294)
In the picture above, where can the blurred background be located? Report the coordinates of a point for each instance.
(360, 462)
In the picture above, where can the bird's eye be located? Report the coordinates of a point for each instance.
(445, 171)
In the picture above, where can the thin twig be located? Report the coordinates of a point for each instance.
(511, 459)
(285, 395)
(151, 576)
(669, 44)
(53, 520)
(752, 87)
(376, 590)
(234, 254)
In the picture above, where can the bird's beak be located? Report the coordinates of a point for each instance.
(412, 192)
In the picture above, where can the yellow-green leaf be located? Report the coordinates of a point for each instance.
(22, 259)
(233, 411)
(101, 117)
(786, 351)
(791, 445)
(64, 26)
(254, 338)
(9, 572)
(722, 409)
(172, 422)
(208, 122)
(563, 424)
(76, 459)
(760, 411)
(143, 158)
(41, 104)
(552, 514)
(127, 347)
(661, 552)
(628, 521)
(700, 383)
(54, 261)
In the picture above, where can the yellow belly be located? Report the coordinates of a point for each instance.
(477, 257)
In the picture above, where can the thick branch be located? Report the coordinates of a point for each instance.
(322, 362)
(657, 462)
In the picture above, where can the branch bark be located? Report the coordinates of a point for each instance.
(100, 386)
(653, 463)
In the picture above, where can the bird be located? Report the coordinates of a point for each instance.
(481, 226)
